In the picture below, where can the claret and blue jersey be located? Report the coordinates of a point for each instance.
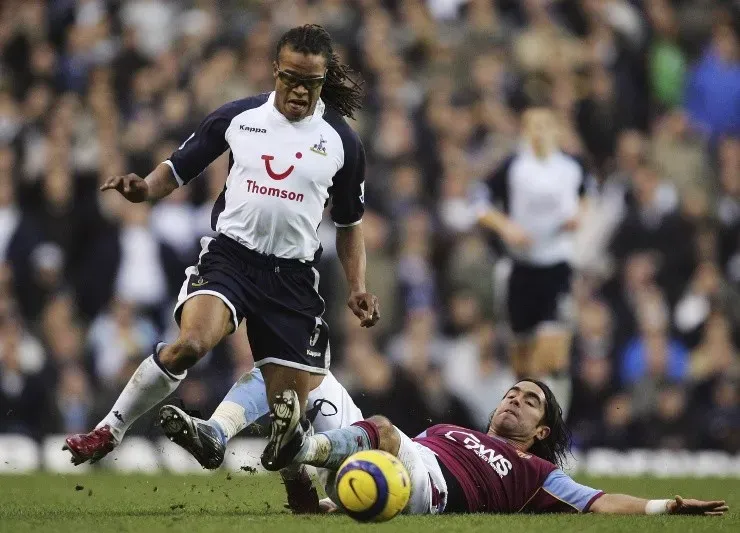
(281, 174)
(496, 477)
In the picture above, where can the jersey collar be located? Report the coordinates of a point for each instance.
(318, 112)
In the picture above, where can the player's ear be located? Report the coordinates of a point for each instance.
(275, 69)
(542, 432)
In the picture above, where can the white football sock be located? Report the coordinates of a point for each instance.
(243, 404)
(148, 386)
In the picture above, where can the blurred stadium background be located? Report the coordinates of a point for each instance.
(647, 92)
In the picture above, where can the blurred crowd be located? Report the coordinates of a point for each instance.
(647, 92)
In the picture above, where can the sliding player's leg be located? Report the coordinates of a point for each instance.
(331, 448)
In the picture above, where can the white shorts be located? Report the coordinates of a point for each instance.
(428, 485)
(334, 409)
(333, 406)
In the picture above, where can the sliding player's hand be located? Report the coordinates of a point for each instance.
(134, 188)
(681, 506)
(365, 307)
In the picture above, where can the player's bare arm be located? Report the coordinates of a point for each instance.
(159, 183)
(351, 251)
(625, 504)
(512, 234)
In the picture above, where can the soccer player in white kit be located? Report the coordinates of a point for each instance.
(533, 202)
(291, 151)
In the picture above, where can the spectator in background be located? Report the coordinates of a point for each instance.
(477, 370)
(24, 384)
(418, 345)
(653, 353)
(73, 400)
(19, 239)
(713, 90)
(707, 292)
(721, 429)
(376, 386)
(415, 272)
(618, 428)
(91, 88)
(716, 355)
(666, 60)
(665, 426)
(592, 389)
(681, 155)
(117, 338)
(653, 227)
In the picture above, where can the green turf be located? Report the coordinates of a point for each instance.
(252, 504)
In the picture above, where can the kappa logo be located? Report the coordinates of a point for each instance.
(200, 282)
(242, 127)
(319, 147)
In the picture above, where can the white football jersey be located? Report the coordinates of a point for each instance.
(281, 174)
(540, 196)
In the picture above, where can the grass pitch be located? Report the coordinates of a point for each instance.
(252, 504)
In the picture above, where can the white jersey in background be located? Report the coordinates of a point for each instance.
(281, 174)
(539, 195)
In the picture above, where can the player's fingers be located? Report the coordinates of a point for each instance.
(375, 316)
(371, 303)
(355, 307)
(714, 513)
(127, 184)
(110, 183)
(709, 505)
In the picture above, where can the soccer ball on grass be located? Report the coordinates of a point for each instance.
(372, 486)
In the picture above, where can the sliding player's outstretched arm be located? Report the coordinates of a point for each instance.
(625, 504)
(561, 493)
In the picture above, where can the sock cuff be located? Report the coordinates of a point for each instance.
(173, 377)
(371, 429)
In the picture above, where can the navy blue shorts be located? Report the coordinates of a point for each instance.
(538, 295)
(279, 299)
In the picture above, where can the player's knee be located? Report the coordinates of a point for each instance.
(388, 438)
(184, 353)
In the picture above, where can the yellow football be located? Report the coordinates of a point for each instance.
(373, 486)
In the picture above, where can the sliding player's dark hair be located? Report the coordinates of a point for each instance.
(342, 89)
(556, 446)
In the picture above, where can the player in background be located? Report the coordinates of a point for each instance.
(291, 151)
(533, 201)
(514, 467)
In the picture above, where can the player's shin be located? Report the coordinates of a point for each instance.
(148, 386)
(244, 403)
(330, 449)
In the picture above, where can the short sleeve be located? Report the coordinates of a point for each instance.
(494, 190)
(564, 490)
(208, 141)
(586, 183)
(348, 185)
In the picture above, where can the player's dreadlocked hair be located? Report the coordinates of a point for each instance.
(340, 90)
(556, 446)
